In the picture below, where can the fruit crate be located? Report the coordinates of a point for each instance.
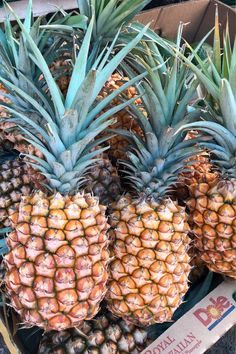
(202, 325)
(199, 17)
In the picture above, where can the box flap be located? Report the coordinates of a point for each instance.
(201, 326)
(208, 20)
(198, 15)
(166, 19)
(5, 341)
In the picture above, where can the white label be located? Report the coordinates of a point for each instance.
(201, 326)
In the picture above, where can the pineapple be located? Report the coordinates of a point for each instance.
(149, 230)
(57, 264)
(64, 77)
(104, 181)
(20, 71)
(118, 143)
(120, 13)
(201, 170)
(213, 205)
(104, 334)
(16, 178)
(198, 266)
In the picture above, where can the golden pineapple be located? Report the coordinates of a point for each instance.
(149, 231)
(149, 273)
(104, 334)
(57, 264)
(213, 214)
(212, 205)
(199, 171)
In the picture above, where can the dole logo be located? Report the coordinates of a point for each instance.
(214, 313)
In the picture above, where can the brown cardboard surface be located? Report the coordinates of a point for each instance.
(167, 18)
(208, 20)
(198, 15)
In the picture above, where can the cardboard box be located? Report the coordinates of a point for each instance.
(201, 326)
(196, 333)
(198, 15)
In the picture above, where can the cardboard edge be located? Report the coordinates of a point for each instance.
(6, 337)
(201, 22)
(208, 20)
(149, 349)
(167, 18)
(40, 7)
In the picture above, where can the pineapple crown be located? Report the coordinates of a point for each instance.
(69, 126)
(156, 159)
(218, 66)
(218, 77)
(16, 64)
(118, 12)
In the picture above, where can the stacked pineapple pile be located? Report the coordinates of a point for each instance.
(85, 228)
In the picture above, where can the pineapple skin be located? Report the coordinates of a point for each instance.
(57, 261)
(104, 181)
(125, 121)
(213, 216)
(201, 170)
(198, 266)
(149, 275)
(9, 135)
(16, 179)
(104, 334)
(63, 81)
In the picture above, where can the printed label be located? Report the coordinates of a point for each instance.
(200, 327)
(215, 312)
